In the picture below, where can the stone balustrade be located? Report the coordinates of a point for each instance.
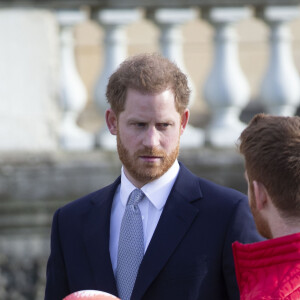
(55, 96)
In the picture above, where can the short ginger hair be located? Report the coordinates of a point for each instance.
(271, 148)
(149, 74)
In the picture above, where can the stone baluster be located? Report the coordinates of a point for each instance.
(226, 89)
(73, 93)
(113, 22)
(280, 89)
(171, 45)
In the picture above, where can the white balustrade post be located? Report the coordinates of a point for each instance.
(73, 93)
(171, 44)
(113, 22)
(280, 89)
(226, 89)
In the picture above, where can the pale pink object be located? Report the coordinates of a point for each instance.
(90, 295)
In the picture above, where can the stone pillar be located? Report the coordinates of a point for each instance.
(171, 45)
(73, 93)
(29, 111)
(280, 89)
(113, 22)
(226, 89)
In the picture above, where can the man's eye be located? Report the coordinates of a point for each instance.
(140, 125)
(163, 125)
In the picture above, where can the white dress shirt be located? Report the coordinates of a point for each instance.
(151, 207)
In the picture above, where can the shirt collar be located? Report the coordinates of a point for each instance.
(156, 191)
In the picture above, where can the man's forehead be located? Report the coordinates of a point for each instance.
(147, 92)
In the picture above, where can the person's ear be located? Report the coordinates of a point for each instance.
(261, 195)
(184, 120)
(111, 121)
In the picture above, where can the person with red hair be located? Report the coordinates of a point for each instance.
(158, 232)
(270, 269)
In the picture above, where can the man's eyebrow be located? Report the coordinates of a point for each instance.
(135, 119)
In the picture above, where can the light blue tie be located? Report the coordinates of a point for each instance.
(131, 246)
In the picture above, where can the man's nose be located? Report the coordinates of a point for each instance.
(151, 138)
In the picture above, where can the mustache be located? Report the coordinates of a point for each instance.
(150, 152)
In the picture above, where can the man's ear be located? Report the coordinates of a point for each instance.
(261, 195)
(111, 121)
(184, 120)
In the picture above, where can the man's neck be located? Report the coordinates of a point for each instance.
(285, 227)
(164, 177)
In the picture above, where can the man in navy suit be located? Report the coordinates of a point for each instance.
(188, 223)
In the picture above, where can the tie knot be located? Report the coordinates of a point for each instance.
(135, 197)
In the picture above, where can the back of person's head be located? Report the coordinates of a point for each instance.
(148, 74)
(271, 147)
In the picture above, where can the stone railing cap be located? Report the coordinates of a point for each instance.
(143, 3)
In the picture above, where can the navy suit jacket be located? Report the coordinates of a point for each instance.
(189, 256)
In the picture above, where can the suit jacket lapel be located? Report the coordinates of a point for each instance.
(175, 221)
(96, 238)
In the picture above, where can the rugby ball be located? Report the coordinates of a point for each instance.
(90, 295)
